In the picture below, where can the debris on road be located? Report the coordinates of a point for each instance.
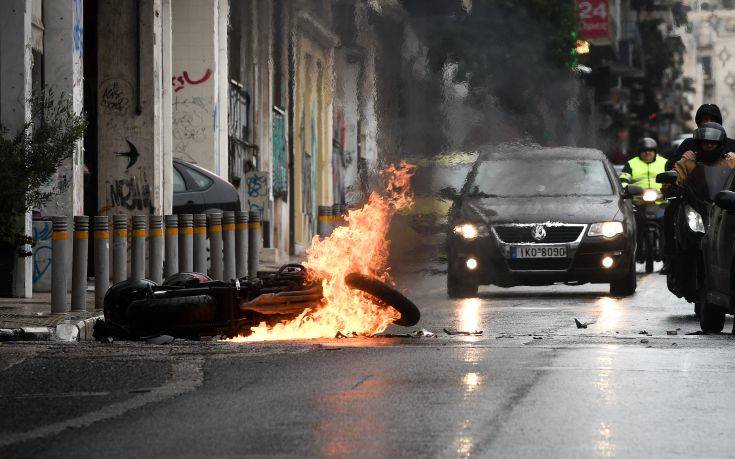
(671, 332)
(160, 339)
(583, 324)
(423, 333)
(644, 341)
(644, 332)
(462, 332)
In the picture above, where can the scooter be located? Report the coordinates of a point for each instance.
(693, 201)
(649, 213)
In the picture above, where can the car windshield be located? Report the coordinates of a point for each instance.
(545, 177)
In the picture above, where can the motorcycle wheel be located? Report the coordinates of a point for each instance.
(650, 247)
(385, 295)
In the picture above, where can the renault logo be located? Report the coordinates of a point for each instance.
(538, 233)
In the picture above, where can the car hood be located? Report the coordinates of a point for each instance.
(565, 209)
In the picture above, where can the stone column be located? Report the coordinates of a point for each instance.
(130, 112)
(62, 63)
(200, 83)
(15, 91)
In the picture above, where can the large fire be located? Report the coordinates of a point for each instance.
(359, 246)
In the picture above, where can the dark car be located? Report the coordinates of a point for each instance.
(198, 190)
(716, 269)
(539, 217)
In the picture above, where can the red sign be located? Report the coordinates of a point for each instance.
(594, 18)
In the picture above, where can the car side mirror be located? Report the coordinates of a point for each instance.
(632, 191)
(667, 177)
(725, 200)
(449, 193)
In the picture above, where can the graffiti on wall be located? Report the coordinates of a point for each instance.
(78, 30)
(42, 256)
(116, 95)
(132, 154)
(179, 82)
(190, 123)
(258, 191)
(132, 193)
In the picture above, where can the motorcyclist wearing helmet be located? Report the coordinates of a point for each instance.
(706, 113)
(643, 169)
(710, 139)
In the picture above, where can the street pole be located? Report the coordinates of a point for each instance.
(59, 243)
(228, 244)
(171, 263)
(215, 244)
(254, 242)
(200, 243)
(137, 264)
(186, 247)
(101, 259)
(155, 248)
(119, 248)
(241, 243)
(79, 265)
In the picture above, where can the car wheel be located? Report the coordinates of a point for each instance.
(625, 286)
(711, 317)
(460, 288)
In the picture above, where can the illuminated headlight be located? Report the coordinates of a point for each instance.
(694, 220)
(467, 231)
(650, 195)
(606, 229)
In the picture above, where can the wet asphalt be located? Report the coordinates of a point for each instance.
(635, 382)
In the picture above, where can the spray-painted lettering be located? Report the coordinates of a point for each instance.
(132, 193)
(179, 82)
(116, 95)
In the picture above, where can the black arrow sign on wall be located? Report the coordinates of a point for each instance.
(132, 154)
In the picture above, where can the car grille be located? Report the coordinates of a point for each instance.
(539, 264)
(511, 234)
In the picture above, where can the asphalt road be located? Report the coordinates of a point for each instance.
(532, 385)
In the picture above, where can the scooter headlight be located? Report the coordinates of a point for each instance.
(694, 220)
(606, 229)
(650, 195)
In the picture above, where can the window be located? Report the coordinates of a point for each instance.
(179, 184)
(547, 177)
(202, 181)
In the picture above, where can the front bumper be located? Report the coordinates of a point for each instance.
(583, 263)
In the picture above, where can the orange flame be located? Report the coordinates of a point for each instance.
(359, 246)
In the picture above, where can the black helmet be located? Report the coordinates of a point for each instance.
(647, 143)
(712, 132)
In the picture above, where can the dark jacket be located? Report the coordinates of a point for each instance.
(688, 144)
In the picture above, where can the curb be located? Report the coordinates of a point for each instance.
(68, 331)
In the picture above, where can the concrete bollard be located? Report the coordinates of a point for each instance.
(324, 223)
(119, 248)
(241, 244)
(215, 244)
(186, 243)
(171, 263)
(155, 248)
(200, 243)
(101, 258)
(228, 245)
(59, 243)
(137, 262)
(255, 236)
(79, 265)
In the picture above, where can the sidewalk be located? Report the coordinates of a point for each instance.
(31, 319)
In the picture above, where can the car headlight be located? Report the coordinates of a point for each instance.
(467, 230)
(694, 220)
(650, 195)
(605, 229)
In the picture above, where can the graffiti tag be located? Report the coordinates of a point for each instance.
(132, 154)
(131, 193)
(116, 95)
(180, 81)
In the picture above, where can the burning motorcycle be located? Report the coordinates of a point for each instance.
(191, 305)
(693, 201)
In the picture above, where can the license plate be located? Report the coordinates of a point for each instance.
(538, 251)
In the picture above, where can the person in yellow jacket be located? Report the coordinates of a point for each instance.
(643, 169)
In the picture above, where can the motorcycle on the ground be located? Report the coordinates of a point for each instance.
(692, 203)
(191, 305)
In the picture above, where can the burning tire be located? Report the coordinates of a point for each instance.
(385, 295)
